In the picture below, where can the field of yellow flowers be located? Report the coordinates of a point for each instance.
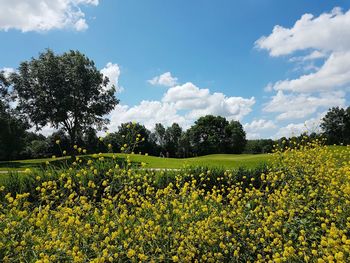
(297, 210)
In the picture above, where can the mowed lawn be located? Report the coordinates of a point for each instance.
(227, 161)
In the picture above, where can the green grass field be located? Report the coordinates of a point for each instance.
(227, 161)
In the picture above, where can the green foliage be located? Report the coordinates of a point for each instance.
(214, 134)
(131, 137)
(65, 91)
(12, 126)
(336, 125)
(259, 146)
(235, 140)
(172, 140)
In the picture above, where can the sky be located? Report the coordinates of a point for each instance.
(275, 66)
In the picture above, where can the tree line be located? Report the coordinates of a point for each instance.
(69, 93)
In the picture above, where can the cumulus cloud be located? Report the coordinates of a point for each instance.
(312, 56)
(164, 79)
(325, 38)
(201, 102)
(327, 32)
(112, 71)
(148, 113)
(298, 106)
(258, 125)
(43, 15)
(256, 128)
(182, 104)
(295, 129)
(334, 73)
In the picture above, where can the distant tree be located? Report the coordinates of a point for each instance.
(12, 126)
(184, 147)
(91, 141)
(131, 137)
(159, 133)
(172, 138)
(347, 126)
(207, 135)
(31, 142)
(66, 91)
(335, 125)
(57, 149)
(259, 146)
(235, 140)
(36, 149)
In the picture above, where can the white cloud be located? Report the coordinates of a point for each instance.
(7, 71)
(258, 125)
(327, 32)
(295, 129)
(47, 130)
(164, 79)
(182, 104)
(148, 113)
(43, 15)
(312, 56)
(298, 106)
(112, 71)
(256, 128)
(201, 102)
(325, 38)
(334, 73)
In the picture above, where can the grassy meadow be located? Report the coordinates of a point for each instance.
(228, 161)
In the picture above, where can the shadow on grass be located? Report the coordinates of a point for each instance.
(18, 165)
(58, 163)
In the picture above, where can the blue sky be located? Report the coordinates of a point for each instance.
(210, 54)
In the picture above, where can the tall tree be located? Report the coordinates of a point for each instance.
(159, 135)
(235, 137)
(172, 138)
(131, 137)
(66, 91)
(335, 125)
(12, 126)
(208, 135)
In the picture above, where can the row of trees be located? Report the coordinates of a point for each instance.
(209, 135)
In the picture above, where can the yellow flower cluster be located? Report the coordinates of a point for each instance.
(299, 211)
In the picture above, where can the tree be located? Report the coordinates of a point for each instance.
(184, 148)
(3, 88)
(172, 138)
(131, 137)
(13, 127)
(335, 125)
(91, 141)
(158, 137)
(347, 126)
(65, 91)
(235, 140)
(53, 147)
(207, 135)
